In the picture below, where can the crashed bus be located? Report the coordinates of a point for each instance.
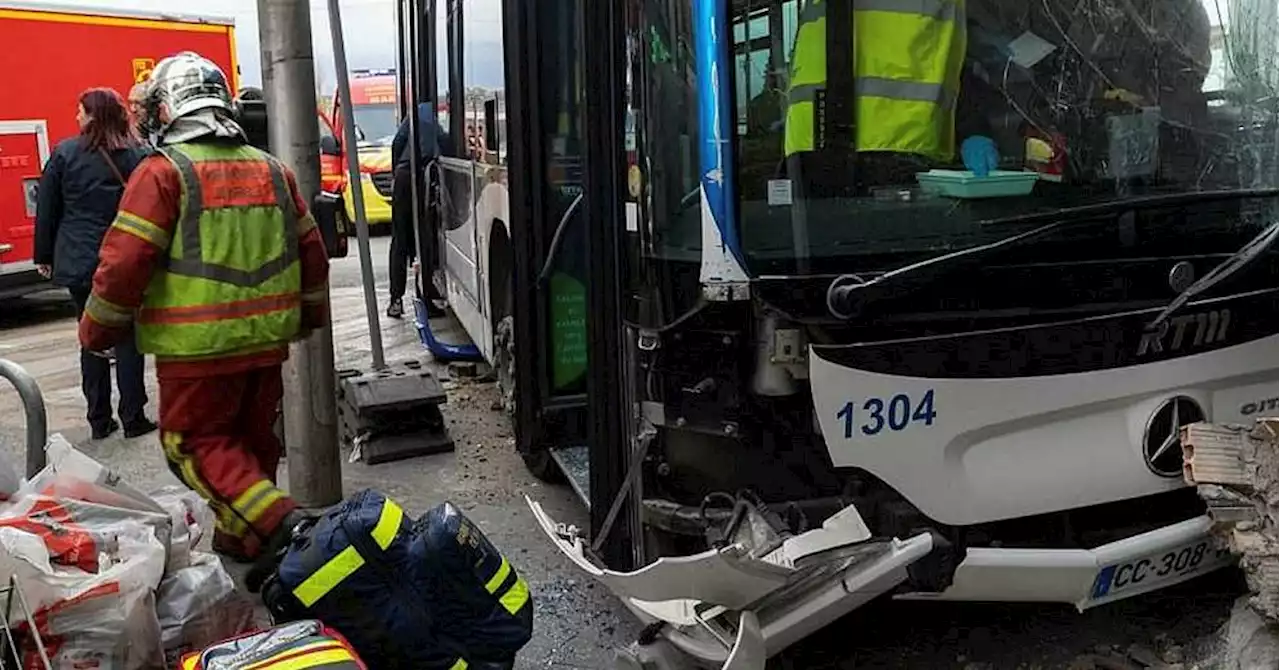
(814, 301)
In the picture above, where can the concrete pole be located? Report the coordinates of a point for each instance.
(310, 405)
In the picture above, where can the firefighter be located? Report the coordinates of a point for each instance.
(218, 265)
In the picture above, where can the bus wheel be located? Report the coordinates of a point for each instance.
(539, 463)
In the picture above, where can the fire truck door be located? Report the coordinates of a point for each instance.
(24, 147)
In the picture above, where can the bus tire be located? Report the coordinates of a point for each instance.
(539, 463)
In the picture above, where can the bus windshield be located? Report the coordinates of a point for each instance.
(872, 139)
(377, 123)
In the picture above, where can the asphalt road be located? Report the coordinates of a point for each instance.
(577, 623)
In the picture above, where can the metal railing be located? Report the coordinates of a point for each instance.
(33, 407)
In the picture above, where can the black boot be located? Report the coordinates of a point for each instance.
(395, 310)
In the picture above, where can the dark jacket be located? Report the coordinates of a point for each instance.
(77, 202)
(432, 140)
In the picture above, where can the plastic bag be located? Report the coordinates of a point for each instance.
(102, 620)
(9, 480)
(192, 518)
(199, 605)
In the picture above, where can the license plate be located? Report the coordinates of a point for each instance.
(1154, 570)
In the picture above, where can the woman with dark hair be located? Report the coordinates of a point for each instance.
(79, 192)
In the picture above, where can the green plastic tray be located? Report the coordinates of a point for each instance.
(964, 184)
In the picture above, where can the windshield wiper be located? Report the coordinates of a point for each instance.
(1246, 255)
(843, 294)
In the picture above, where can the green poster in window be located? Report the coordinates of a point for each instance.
(568, 329)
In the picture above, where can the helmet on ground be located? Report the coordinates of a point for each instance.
(186, 83)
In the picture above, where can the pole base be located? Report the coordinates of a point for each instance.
(394, 413)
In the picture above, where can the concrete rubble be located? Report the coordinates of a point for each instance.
(1235, 469)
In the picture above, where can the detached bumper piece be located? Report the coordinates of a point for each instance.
(392, 414)
(732, 608)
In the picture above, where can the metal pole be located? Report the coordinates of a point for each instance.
(353, 174)
(310, 424)
(33, 406)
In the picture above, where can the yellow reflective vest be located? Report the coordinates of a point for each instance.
(907, 61)
(232, 281)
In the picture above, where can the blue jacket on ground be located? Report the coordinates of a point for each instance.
(75, 204)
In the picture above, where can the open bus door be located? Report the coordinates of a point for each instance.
(563, 272)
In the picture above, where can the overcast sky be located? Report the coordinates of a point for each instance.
(368, 28)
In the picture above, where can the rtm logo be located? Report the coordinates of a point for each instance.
(1205, 328)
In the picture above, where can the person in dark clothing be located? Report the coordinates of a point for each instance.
(79, 193)
(431, 141)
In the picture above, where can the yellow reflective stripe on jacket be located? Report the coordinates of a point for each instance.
(142, 229)
(388, 524)
(499, 577)
(190, 662)
(106, 312)
(322, 581)
(460, 665)
(338, 568)
(516, 597)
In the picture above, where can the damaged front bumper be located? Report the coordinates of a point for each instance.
(732, 609)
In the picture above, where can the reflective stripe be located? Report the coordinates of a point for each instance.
(498, 577)
(306, 224)
(942, 10)
(879, 87)
(388, 524)
(294, 650)
(516, 597)
(192, 263)
(142, 229)
(334, 657)
(231, 310)
(460, 665)
(190, 662)
(322, 581)
(227, 520)
(316, 295)
(106, 312)
(256, 499)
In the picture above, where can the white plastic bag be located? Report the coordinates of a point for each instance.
(103, 620)
(192, 519)
(198, 606)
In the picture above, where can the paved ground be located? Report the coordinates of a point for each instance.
(576, 623)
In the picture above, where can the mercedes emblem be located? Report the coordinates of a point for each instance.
(1161, 443)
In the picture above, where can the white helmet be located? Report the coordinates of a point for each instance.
(184, 84)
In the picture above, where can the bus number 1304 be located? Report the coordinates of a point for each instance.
(897, 413)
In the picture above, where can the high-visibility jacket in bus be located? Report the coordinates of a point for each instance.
(907, 61)
(232, 279)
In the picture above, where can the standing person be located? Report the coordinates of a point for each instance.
(138, 113)
(216, 259)
(430, 141)
(79, 192)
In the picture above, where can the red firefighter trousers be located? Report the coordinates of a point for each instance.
(218, 436)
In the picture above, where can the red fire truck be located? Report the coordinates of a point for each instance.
(65, 51)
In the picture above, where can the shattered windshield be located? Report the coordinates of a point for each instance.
(925, 118)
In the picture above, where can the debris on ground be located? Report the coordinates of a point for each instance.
(112, 574)
(1235, 469)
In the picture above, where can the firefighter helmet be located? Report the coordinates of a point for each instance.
(183, 84)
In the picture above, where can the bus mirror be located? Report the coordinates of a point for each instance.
(329, 146)
(491, 125)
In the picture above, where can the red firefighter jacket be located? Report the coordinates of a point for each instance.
(127, 260)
